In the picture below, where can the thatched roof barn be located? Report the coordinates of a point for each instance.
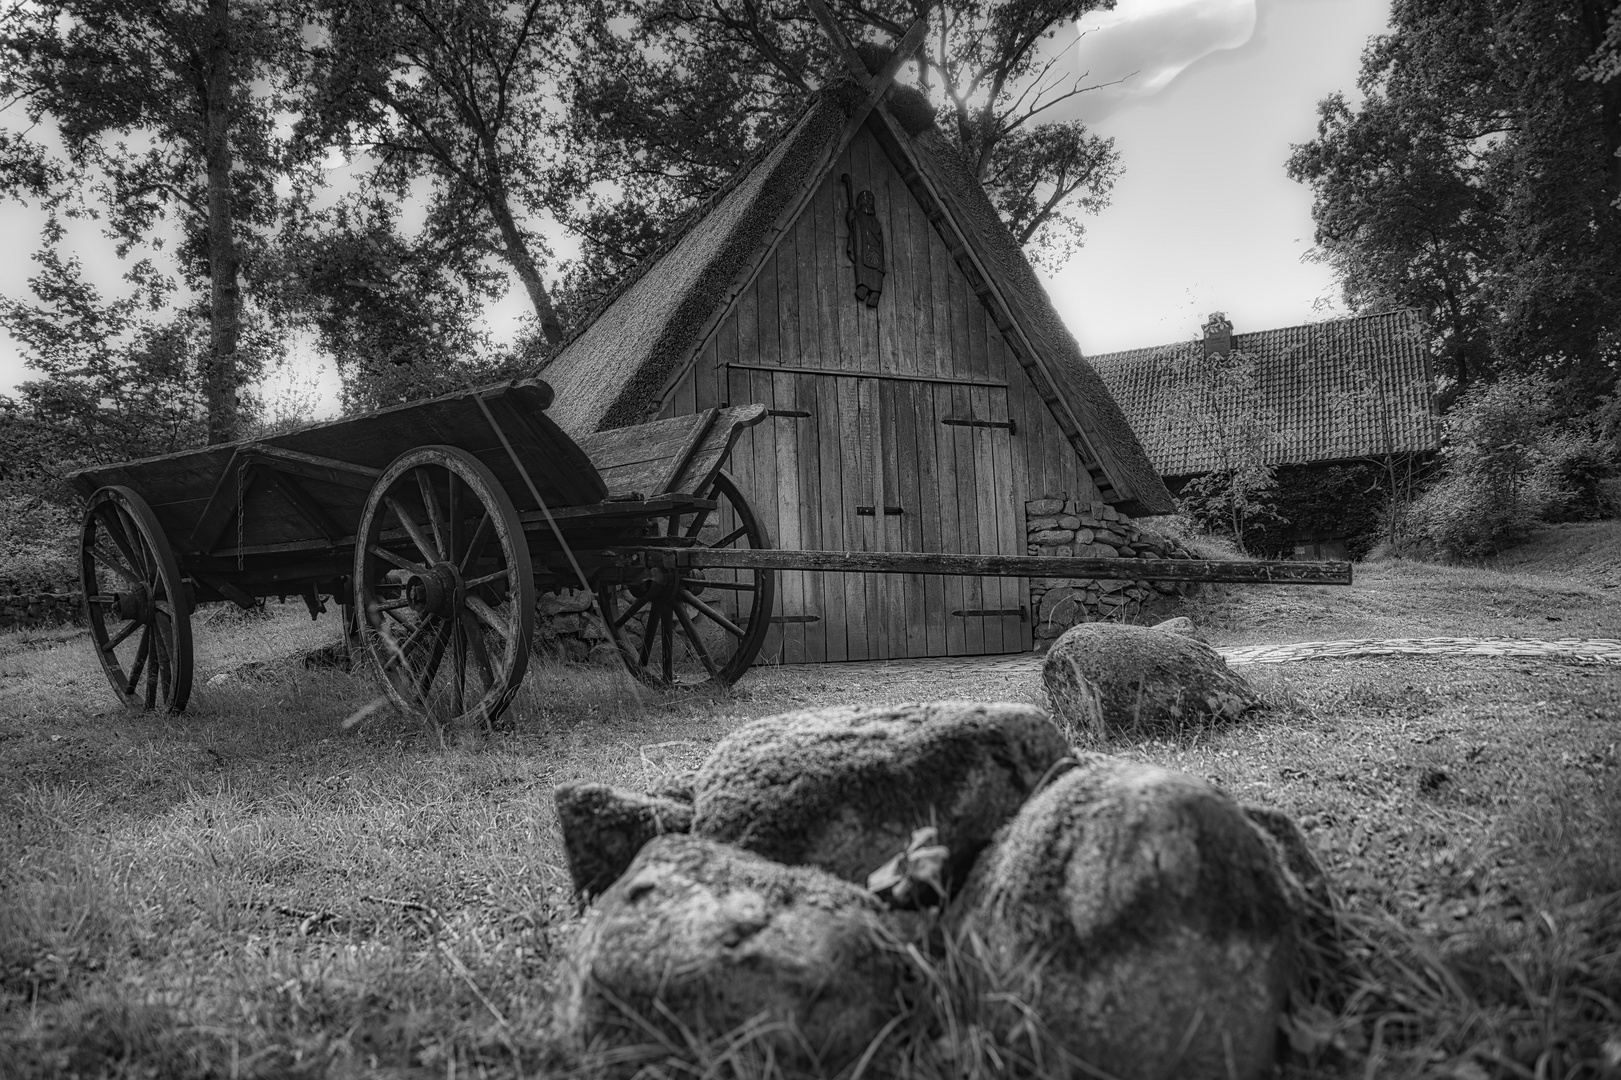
(855, 278)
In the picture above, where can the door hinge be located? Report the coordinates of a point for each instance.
(796, 618)
(872, 511)
(995, 612)
(797, 414)
(957, 421)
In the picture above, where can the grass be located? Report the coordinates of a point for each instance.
(250, 889)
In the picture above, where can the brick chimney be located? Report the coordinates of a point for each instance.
(1218, 334)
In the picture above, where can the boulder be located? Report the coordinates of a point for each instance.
(1108, 679)
(699, 938)
(1143, 920)
(1181, 624)
(604, 829)
(844, 789)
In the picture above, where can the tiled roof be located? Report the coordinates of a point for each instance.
(1332, 391)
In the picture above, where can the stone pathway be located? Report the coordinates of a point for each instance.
(1579, 650)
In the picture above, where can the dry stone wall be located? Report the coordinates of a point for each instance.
(566, 624)
(29, 607)
(1060, 527)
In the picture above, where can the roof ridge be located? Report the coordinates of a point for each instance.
(1141, 349)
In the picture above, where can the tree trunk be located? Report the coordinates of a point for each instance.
(220, 374)
(524, 263)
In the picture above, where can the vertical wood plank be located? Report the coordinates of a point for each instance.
(790, 509)
(984, 513)
(810, 492)
(929, 468)
(909, 467)
(954, 474)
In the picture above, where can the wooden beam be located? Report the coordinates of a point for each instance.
(684, 455)
(1274, 572)
(311, 467)
(224, 504)
(290, 489)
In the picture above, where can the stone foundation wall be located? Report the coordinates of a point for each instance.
(28, 607)
(566, 624)
(1059, 527)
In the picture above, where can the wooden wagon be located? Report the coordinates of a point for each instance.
(435, 525)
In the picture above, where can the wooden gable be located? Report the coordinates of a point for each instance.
(906, 427)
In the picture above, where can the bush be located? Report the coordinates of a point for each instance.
(38, 542)
(1508, 466)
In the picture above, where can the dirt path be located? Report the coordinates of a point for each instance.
(1580, 650)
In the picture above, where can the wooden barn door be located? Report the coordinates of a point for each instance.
(849, 462)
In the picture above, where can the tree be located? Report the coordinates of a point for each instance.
(672, 108)
(1213, 404)
(1478, 181)
(161, 106)
(457, 90)
(399, 316)
(114, 383)
(1372, 400)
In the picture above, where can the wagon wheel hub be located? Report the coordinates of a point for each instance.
(135, 604)
(434, 592)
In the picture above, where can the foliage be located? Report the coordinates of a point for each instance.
(161, 107)
(672, 108)
(401, 317)
(1478, 180)
(1347, 502)
(460, 92)
(1507, 466)
(1213, 402)
(115, 383)
(38, 541)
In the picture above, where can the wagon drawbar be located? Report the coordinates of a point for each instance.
(435, 525)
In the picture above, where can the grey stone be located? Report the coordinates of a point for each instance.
(699, 938)
(1047, 521)
(844, 788)
(1043, 507)
(604, 829)
(1106, 680)
(1069, 521)
(1180, 624)
(568, 603)
(1049, 537)
(1143, 920)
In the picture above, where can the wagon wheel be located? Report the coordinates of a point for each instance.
(443, 586)
(138, 607)
(687, 627)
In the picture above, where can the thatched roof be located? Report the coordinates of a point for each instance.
(1335, 391)
(615, 370)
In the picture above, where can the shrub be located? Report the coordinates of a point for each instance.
(1508, 465)
(38, 541)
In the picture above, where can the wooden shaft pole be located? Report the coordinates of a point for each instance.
(1275, 572)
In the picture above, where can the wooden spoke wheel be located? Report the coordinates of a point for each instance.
(443, 587)
(687, 628)
(138, 607)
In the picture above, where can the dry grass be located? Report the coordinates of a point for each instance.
(251, 890)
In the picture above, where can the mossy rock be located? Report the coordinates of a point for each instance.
(844, 789)
(1143, 919)
(604, 829)
(698, 939)
(1111, 679)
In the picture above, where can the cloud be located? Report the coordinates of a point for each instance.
(1142, 45)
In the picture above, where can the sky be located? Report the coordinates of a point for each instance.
(1207, 97)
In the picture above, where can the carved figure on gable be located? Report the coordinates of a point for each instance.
(866, 246)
